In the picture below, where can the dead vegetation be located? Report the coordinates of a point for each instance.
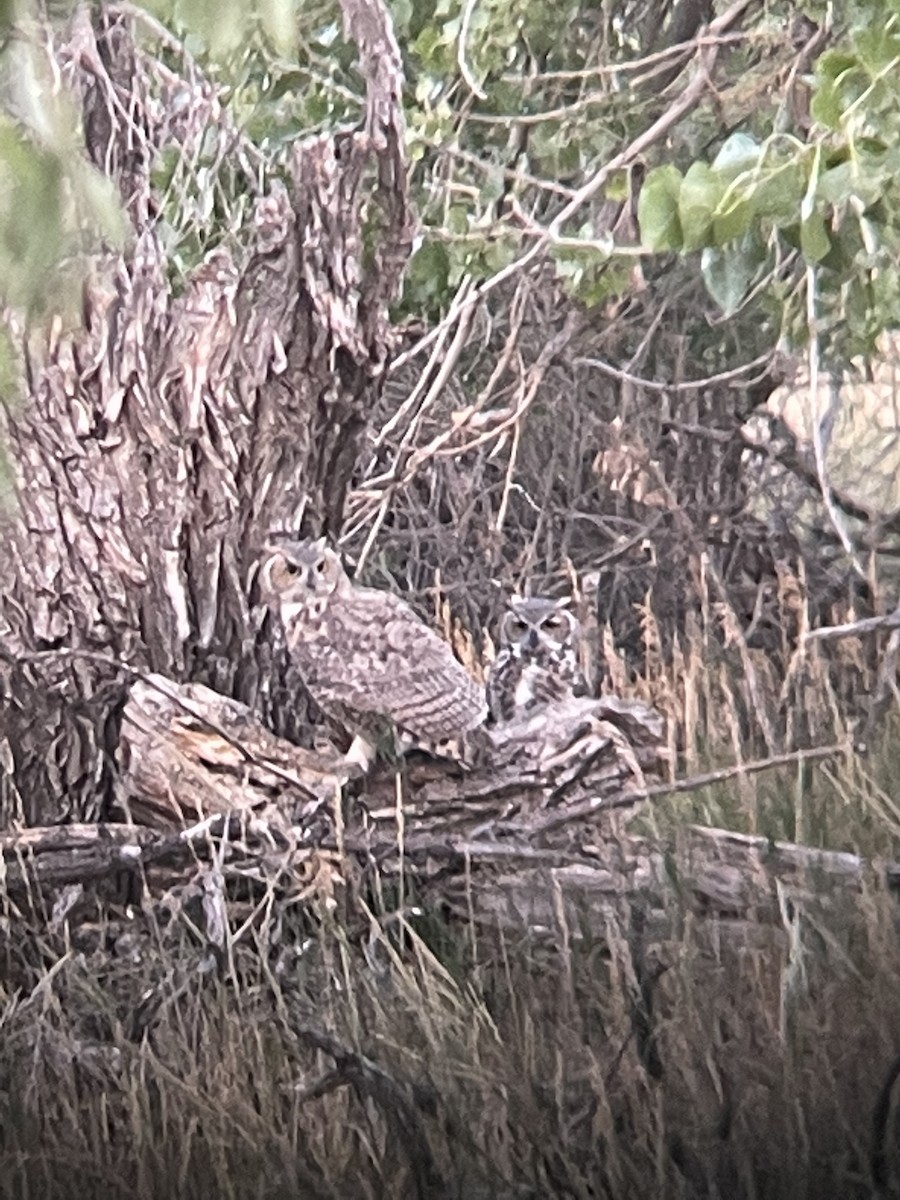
(403, 1060)
(226, 971)
(230, 1013)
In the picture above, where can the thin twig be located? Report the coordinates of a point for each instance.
(685, 103)
(701, 42)
(690, 385)
(462, 62)
(634, 796)
(833, 633)
(789, 758)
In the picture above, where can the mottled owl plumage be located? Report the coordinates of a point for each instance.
(538, 662)
(367, 659)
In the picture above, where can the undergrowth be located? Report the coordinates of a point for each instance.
(697, 1057)
(716, 1060)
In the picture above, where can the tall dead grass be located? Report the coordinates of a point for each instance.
(749, 1065)
(405, 1058)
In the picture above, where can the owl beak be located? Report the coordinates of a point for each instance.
(531, 640)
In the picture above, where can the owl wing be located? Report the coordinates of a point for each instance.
(384, 660)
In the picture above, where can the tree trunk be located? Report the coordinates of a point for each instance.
(159, 444)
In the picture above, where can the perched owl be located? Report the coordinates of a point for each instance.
(368, 661)
(538, 660)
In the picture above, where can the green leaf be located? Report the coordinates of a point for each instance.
(10, 381)
(827, 105)
(287, 84)
(570, 158)
(737, 154)
(848, 179)
(780, 191)
(458, 219)
(814, 240)
(734, 216)
(619, 186)
(30, 218)
(99, 204)
(700, 194)
(877, 49)
(596, 286)
(835, 63)
(279, 21)
(427, 277)
(497, 254)
(222, 24)
(402, 11)
(570, 265)
(494, 184)
(729, 273)
(658, 209)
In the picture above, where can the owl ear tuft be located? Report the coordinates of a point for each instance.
(267, 558)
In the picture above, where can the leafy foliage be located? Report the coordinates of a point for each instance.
(54, 206)
(512, 108)
(825, 206)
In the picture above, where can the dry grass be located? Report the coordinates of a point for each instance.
(312, 1061)
(749, 1068)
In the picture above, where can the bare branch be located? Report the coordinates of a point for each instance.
(833, 633)
(681, 106)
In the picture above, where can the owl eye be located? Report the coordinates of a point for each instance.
(320, 567)
(291, 569)
(554, 622)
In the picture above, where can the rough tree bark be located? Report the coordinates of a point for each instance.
(160, 443)
(157, 447)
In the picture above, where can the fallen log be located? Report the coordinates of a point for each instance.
(187, 753)
(529, 839)
(513, 887)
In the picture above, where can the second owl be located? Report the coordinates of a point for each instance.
(539, 659)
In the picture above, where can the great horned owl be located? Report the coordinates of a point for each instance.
(368, 661)
(538, 660)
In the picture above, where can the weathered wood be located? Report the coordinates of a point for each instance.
(187, 753)
(527, 841)
(509, 886)
(157, 447)
(161, 442)
(56, 855)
